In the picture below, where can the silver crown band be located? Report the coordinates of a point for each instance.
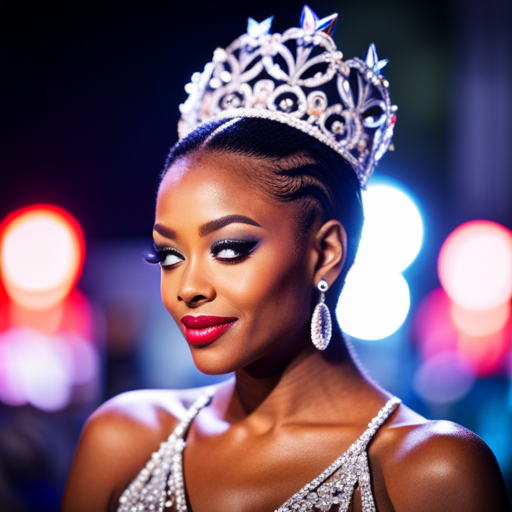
(286, 78)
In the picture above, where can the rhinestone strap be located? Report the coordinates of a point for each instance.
(176, 478)
(160, 484)
(335, 486)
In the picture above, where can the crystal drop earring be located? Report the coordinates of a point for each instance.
(321, 326)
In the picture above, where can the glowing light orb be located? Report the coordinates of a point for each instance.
(475, 265)
(444, 378)
(43, 370)
(482, 338)
(373, 304)
(37, 371)
(41, 255)
(481, 322)
(393, 229)
(487, 353)
(434, 330)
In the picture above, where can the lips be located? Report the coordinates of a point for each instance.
(201, 330)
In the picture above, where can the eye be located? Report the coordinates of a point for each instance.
(232, 251)
(170, 259)
(227, 253)
(165, 257)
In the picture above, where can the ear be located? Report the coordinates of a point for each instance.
(331, 247)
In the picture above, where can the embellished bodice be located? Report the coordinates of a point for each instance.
(160, 485)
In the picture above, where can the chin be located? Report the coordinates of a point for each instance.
(224, 358)
(231, 353)
(211, 361)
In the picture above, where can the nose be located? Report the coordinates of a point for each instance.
(195, 288)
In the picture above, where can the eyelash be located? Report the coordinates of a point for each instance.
(159, 256)
(241, 247)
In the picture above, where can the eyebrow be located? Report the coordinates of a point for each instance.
(167, 232)
(208, 227)
(213, 225)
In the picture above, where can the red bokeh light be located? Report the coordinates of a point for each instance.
(42, 252)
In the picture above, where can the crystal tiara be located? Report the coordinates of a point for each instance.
(298, 78)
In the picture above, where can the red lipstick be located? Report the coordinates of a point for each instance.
(201, 330)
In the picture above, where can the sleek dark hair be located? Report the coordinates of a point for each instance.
(296, 168)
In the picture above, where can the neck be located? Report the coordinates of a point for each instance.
(299, 387)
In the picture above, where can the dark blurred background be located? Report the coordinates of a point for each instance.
(89, 106)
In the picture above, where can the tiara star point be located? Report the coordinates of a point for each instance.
(327, 24)
(310, 22)
(372, 59)
(255, 29)
(308, 19)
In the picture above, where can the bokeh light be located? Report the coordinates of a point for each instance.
(441, 325)
(41, 255)
(43, 370)
(434, 330)
(444, 378)
(475, 265)
(487, 353)
(376, 300)
(480, 323)
(373, 304)
(393, 229)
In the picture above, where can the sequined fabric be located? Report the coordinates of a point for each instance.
(160, 485)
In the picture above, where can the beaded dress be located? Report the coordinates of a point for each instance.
(160, 485)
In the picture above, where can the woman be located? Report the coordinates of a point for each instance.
(258, 220)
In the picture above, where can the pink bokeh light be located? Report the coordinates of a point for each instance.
(475, 265)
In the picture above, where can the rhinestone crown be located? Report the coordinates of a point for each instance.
(298, 78)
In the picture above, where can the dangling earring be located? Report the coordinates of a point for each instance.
(321, 326)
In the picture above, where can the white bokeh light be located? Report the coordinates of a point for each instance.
(36, 371)
(376, 299)
(393, 229)
(42, 370)
(373, 304)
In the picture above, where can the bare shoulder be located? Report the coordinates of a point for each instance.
(116, 442)
(147, 407)
(438, 465)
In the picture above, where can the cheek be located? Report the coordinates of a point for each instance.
(168, 292)
(271, 291)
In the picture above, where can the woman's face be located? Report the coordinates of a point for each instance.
(233, 275)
